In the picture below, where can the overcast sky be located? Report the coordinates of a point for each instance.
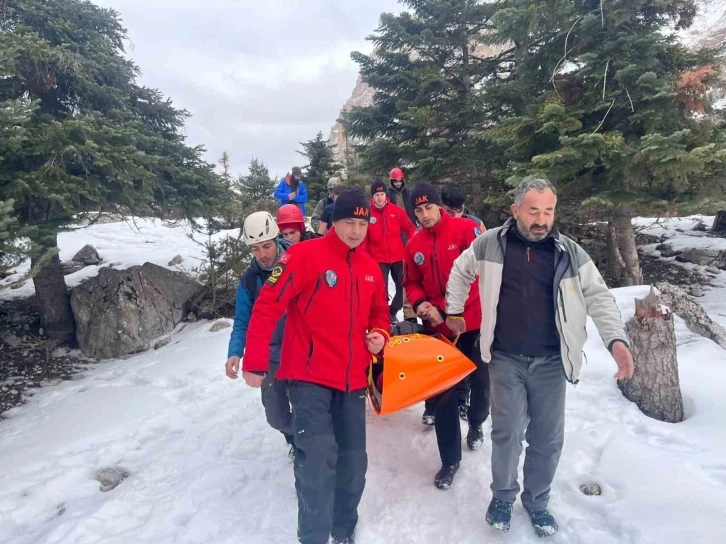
(258, 76)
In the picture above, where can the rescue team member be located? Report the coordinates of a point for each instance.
(337, 317)
(326, 218)
(430, 254)
(320, 206)
(291, 223)
(453, 198)
(399, 195)
(389, 224)
(541, 287)
(260, 233)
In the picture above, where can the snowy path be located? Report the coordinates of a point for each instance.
(205, 468)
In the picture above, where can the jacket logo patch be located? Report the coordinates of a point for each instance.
(361, 212)
(276, 273)
(373, 220)
(370, 278)
(331, 278)
(452, 247)
(284, 258)
(477, 232)
(423, 199)
(419, 258)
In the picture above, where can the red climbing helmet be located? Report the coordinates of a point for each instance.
(289, 215)
(396, 174)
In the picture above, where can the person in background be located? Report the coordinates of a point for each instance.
(327, 217)
(291, 190)
(320, 206)
(541, 287)
(291, 223)
(337, 317)
(388, 227)
(430, 254)
(453, 198)
(399, 194)
(260, 233)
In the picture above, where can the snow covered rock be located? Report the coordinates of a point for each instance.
(177, 260)
(71, 267)
(111, 477)
(666, 250)
(123, 311)
(700, 226)
(87, 255)
(219, 325)
(591, 489)
(703, 257)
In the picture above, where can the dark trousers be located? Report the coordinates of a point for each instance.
(330, 459)
(277, 403)
(396, 272)
(446, 405)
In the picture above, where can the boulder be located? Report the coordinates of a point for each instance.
(120, 312)
(719, 222)
(111, 477)
(177, 260)
(87, 255)
(666, 250)
(703, 257)
(71, 267)
(700, 227)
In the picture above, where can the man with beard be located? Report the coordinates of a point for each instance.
(537, 290)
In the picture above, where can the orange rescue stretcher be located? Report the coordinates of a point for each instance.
(416, 367)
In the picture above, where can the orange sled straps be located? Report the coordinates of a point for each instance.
(416, 367)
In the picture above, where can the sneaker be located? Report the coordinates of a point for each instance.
(445, 476)
(337, 540)
(475, 437)
(499, 514)
(543, 522)
(464, 412)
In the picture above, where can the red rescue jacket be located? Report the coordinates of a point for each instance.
(385, 244)
(430, 256)
(333, 297)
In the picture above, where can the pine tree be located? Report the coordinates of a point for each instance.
(605, 109)
(320, 166)
(87, 137)
(427, 69)
(257, 185)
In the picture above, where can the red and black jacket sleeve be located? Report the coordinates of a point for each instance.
(285, 282)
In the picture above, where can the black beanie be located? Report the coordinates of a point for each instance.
(352, 204)
(424, 193)
(378, 187)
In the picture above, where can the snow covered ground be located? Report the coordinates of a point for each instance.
(205, 468)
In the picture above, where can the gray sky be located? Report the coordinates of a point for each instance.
(258, 76)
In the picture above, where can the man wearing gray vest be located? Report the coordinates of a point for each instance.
(537, 289)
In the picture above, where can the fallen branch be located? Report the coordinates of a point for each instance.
(696, 318)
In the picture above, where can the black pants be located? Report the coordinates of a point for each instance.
(446, 405)
(276, 402)
(396, 272)
(330, 459)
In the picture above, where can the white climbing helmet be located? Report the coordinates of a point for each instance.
(259, 227)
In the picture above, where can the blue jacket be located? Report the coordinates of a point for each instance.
(247, 291)
(283, 189)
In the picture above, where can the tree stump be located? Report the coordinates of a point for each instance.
(655, 386)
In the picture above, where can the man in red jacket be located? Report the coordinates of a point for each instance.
(430, 256)
(389, 224)
(337, 317)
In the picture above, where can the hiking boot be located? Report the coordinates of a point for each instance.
(445, 476)
(464, 412)
(428, 416)
(543, 522)
(499, 514)
(475, 437)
